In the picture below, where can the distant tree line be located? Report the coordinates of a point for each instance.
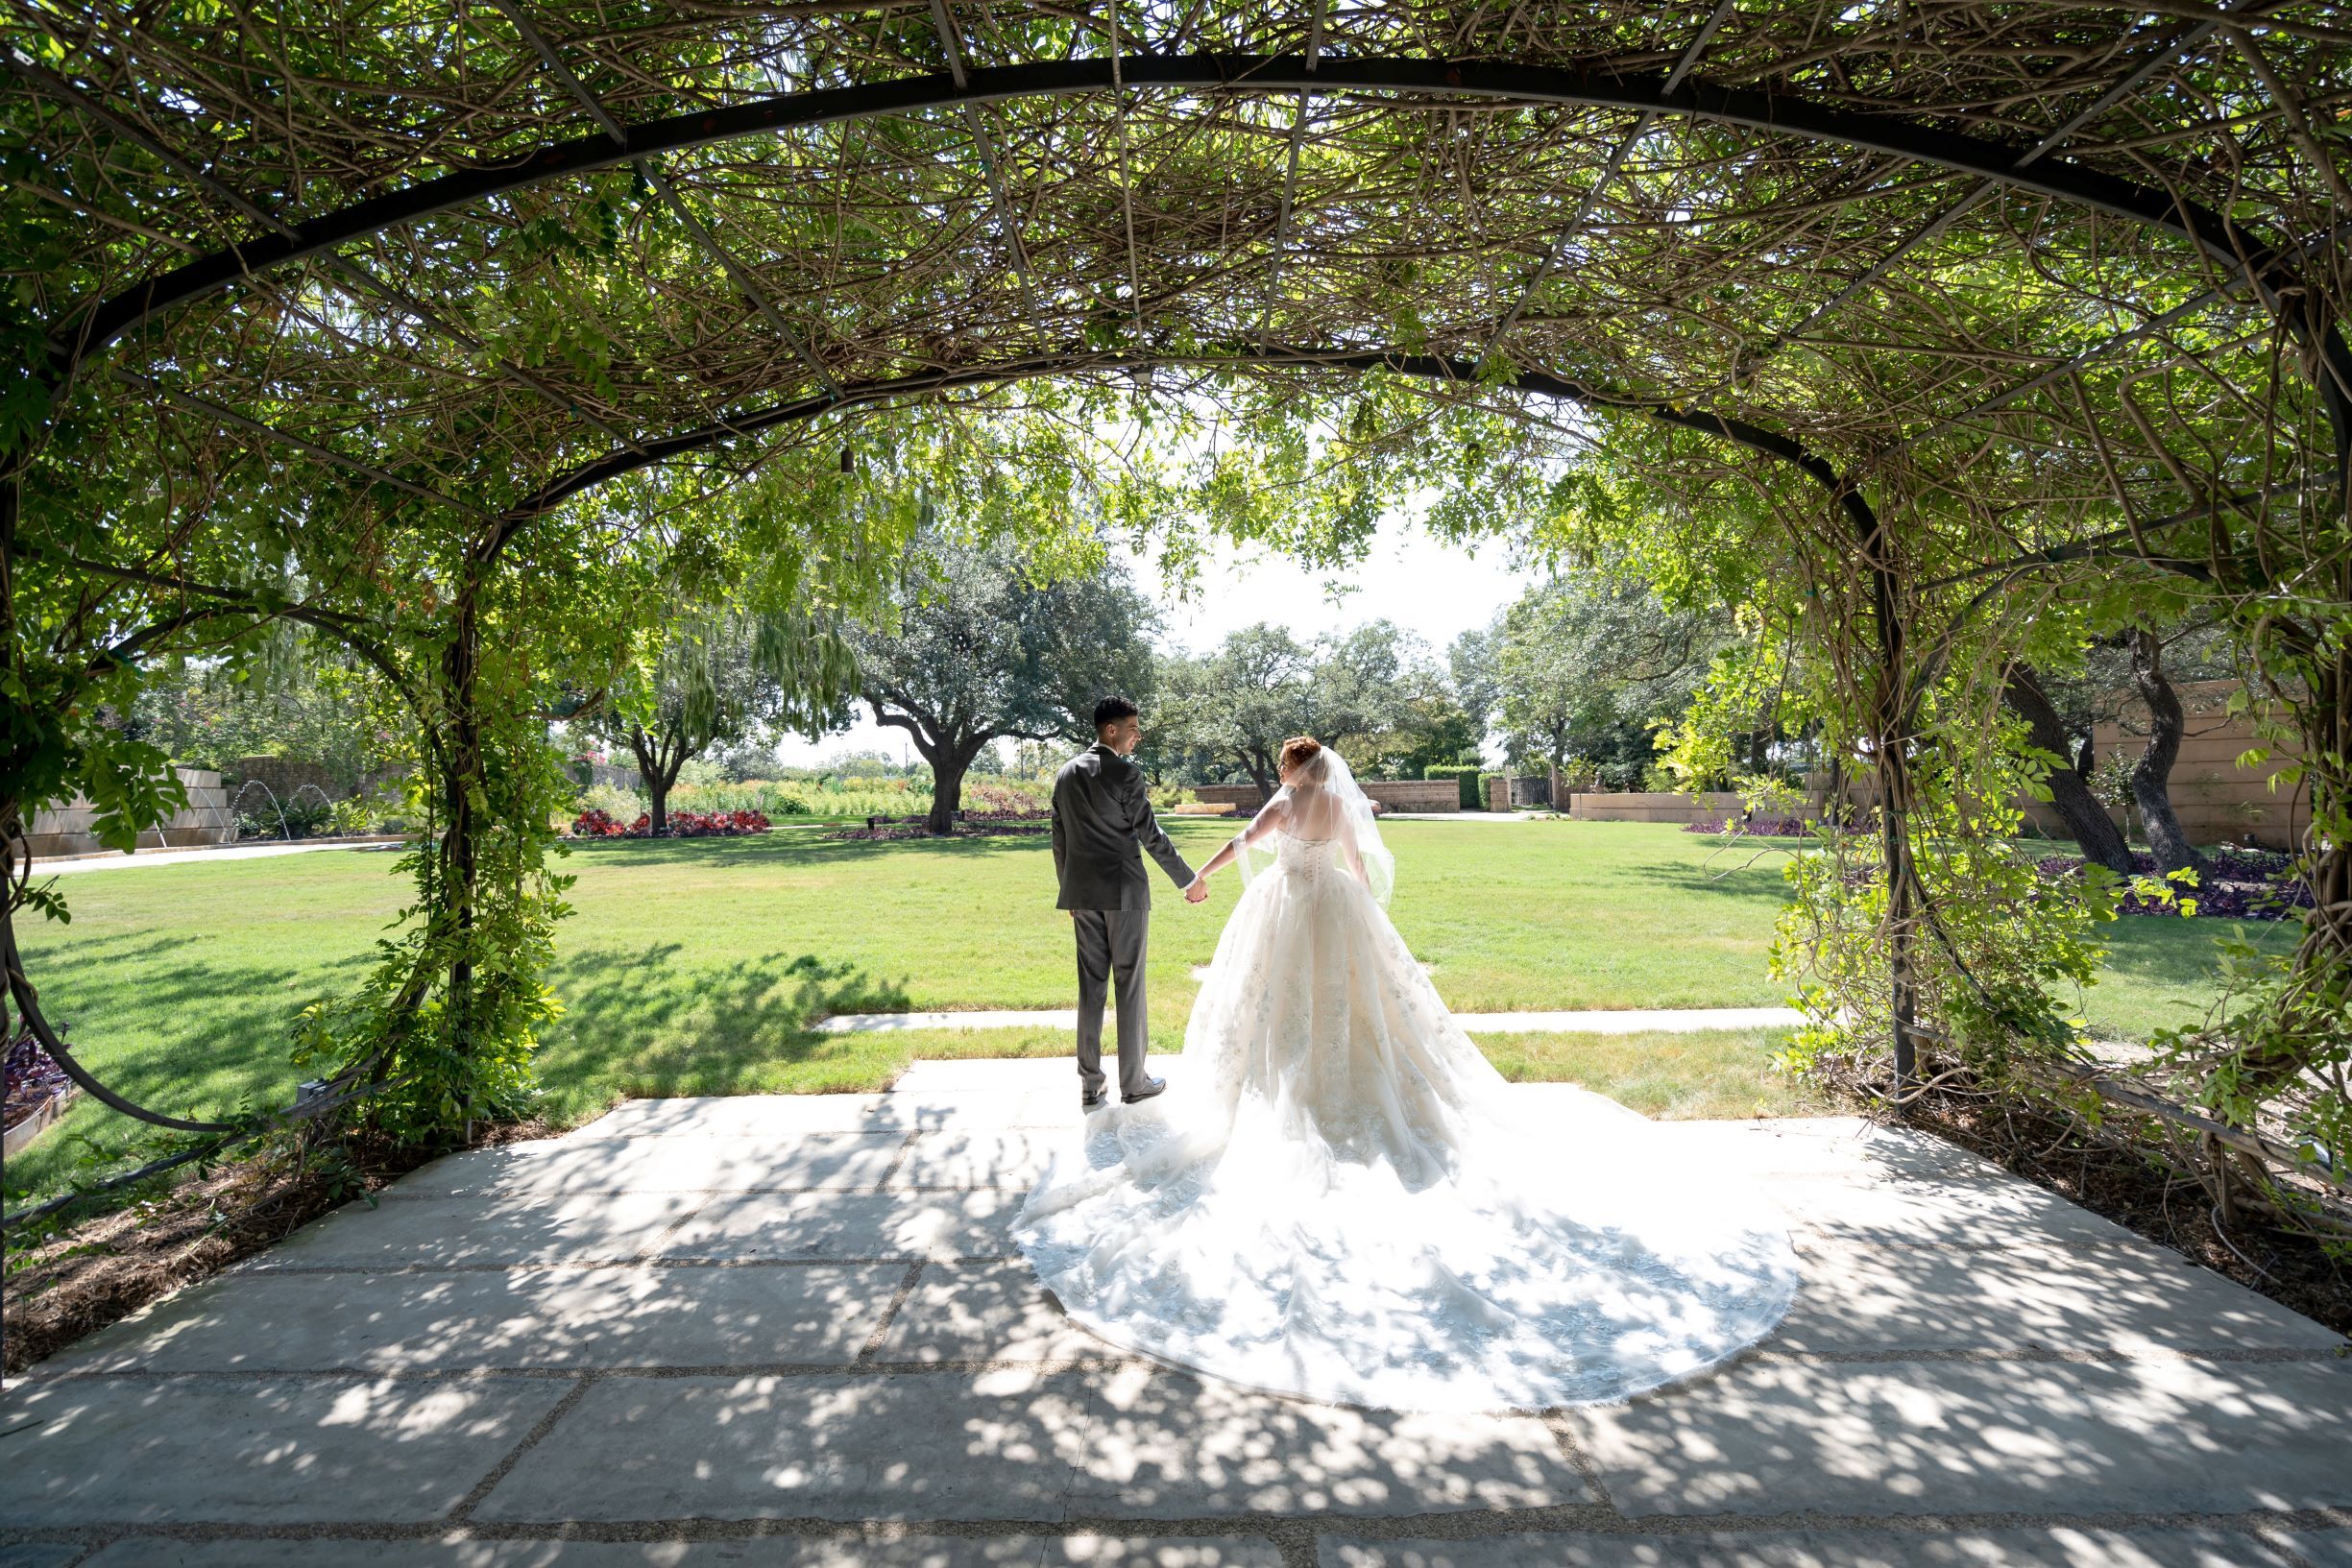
(985, 661)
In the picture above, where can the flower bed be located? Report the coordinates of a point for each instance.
(2245, 885)
(1755, 827)
(968, 825)
(37, 1091)
(599, 824)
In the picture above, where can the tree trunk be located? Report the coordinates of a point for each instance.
(2314, 1002)
(1262, 774)
(658, 775)
(948, 765)
(657, 805)
(2151, 778)
(460, 852)
(2100, 838)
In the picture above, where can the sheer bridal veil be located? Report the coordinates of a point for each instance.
(1323, 802)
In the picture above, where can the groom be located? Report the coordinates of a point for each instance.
(1102, 812)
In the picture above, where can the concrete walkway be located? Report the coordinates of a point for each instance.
(791, 1330)
(1669, 1020)
(191, 856)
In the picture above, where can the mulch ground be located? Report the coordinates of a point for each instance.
(82, 1279)
(108, 1268)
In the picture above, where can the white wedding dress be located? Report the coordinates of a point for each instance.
(1339, 1197)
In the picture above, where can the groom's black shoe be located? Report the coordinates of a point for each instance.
(1151, 1086)
(1092, 1100)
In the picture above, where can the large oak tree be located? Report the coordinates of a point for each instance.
(983, 650)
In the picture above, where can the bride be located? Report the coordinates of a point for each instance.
(1338, 1197)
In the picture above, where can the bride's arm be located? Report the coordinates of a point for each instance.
(1348, 845)
(1264, 822)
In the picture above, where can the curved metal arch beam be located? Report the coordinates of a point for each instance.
(1655, 94)
(1722, 428)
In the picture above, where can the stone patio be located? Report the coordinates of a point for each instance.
(791, 1330)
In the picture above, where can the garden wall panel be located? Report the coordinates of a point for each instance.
(1635, 805)
(206, 819)
(1393, 794)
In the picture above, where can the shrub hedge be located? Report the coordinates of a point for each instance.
(1466, 780)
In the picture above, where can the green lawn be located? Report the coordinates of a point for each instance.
(692, 966)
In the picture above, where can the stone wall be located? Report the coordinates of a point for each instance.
(1392, 795)
(205, 820)
(1651, 807)
(2218, 800)
(1242, 797)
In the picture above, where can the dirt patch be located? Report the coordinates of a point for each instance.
(111, 1265)
(2125, 1186)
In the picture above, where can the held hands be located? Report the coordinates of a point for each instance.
(1197, 889)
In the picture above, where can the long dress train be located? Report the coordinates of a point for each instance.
(1338, 1198)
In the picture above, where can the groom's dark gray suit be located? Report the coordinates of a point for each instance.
(1101, 821)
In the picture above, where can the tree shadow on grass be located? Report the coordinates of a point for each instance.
(643, 1024)
(165, 1021)
(214, 1015)
(2175, 952)
(1746, 869)
(795, 849)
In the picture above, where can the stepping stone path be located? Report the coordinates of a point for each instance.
(793, 1330)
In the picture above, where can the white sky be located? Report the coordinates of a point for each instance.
(1433, 589)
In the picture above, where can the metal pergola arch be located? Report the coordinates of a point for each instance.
(2022, 168)
(2262, 247)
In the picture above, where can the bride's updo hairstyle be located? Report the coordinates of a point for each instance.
(1304, 752)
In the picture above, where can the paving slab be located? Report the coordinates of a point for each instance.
(1168, 1445)
(527, 1317)
(1955, 1211)
(853, 1551)
(790, 1158)
(274, 1451)
(1842, 1146)
(462, 1231)
(41, 1554)
(954, 1075)
(986, 1310)
(377, 1365)
(786, 1552)
(1160, 1551)
(944, 1445)
(1958, 1437)
(1860, 1297)
(954, 1110)
(1010, 1158)
(2319, 1548)
(1822, 1548)
(756, 1225)
(728, 1116)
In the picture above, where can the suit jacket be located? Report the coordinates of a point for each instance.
(1101, 818)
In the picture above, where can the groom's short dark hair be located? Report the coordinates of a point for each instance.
(1111, 710)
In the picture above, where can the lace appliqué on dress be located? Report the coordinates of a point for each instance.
(1339, 1198)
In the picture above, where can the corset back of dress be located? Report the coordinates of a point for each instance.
(1306, 859)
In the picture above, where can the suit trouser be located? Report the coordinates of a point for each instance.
(1110, 942)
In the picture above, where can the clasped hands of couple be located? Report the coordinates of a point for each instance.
(1196, 891)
